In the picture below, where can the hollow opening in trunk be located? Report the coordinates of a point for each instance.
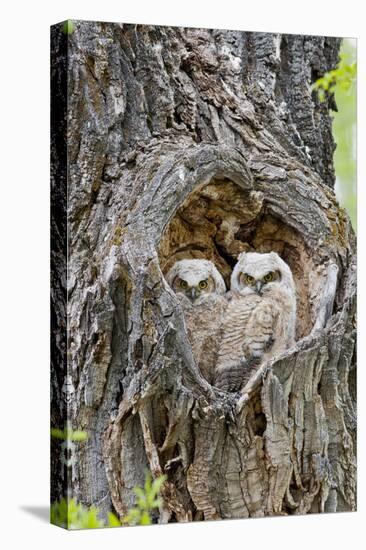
(220, 220)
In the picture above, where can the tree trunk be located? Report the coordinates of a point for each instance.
(197, 143)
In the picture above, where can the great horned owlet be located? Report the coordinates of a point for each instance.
(201, 291)
(260, 319)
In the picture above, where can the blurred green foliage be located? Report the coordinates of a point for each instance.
(342, 82)
(147, 501)
(68, 27)
(344, 128)
(341, 78)
(69, 514)
(69, 434)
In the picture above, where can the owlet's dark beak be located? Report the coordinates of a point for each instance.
(193, 294)
(258, 287)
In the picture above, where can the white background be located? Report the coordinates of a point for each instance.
(24, 233)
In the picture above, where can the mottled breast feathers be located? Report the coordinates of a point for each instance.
(260, 319)
(201, 291)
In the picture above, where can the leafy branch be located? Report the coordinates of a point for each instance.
(343, 76)
(69, 514)
(147, 501)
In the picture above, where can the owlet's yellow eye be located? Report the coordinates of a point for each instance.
(183, 284)
(202, 284)
(249, 279)
(268, 278)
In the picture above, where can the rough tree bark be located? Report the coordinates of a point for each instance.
(197, 143)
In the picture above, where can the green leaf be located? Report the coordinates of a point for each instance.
(79, 435)
(145, 519)
(68, 27)
(139, 492)
(147, 482)
(113, 520)
(158, 482)
(71, 515)
(57, 433)
(133, 516)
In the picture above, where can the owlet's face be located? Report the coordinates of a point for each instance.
(260, 273)
(259, 282)
(195, 287)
